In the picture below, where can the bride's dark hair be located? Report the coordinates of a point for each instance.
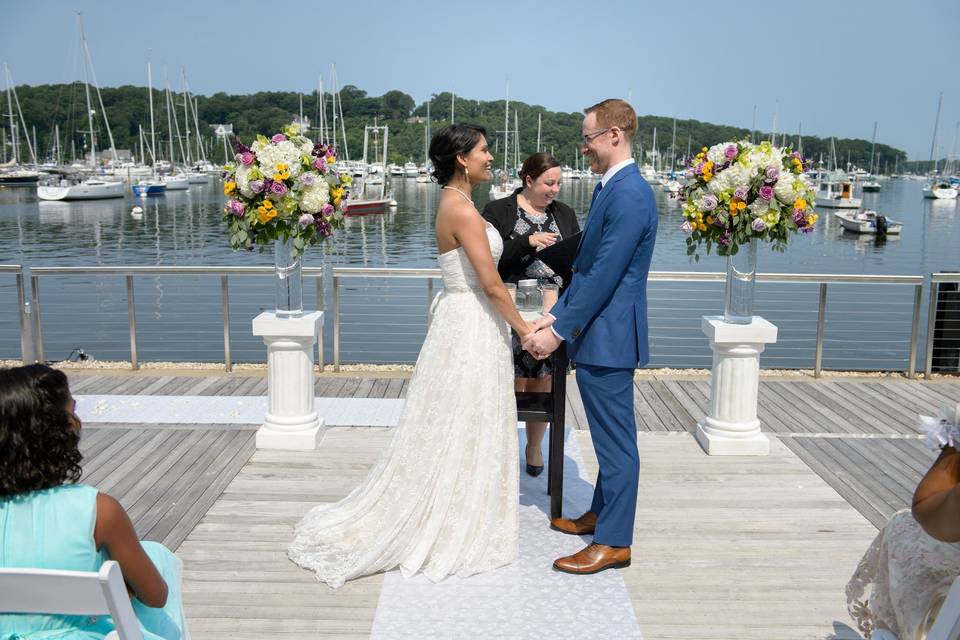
(452, 141)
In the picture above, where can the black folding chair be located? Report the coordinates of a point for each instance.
(550, 407)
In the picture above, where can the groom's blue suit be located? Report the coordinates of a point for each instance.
(603, 317)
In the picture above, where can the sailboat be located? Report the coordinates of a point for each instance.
(151, 186)
(358, 204)
(938, 188)
(506, 186)
(424, 176)
(92, 188)
(872, 184)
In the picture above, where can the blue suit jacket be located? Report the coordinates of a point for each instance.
(603, 313)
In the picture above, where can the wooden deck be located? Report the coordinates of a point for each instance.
(725, 547)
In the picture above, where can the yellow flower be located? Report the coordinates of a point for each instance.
(741, 205)
(702, 227)
(709, 219)
(800, 204)
(229, 187)
(266, 215)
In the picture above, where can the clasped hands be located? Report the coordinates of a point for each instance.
(541, 341)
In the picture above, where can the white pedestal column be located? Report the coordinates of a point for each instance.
(291, 421)
(732, 428)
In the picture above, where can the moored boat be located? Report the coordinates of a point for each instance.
(868, 222)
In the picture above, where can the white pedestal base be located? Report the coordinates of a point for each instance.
(732, 428)
(291, 421)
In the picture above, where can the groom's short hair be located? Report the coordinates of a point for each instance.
(614, 112)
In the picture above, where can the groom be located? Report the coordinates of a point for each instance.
(603, 317)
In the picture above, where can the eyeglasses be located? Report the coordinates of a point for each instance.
(587, 138)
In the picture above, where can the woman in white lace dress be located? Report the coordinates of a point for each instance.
(443, 497)
(899, 585)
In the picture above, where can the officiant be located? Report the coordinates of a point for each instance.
(530, 220)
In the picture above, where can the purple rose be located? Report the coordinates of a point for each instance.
(323, 228)
(277, 188)
(327, 210)
(799, 218)
(246, 158)
(710, 203)
(319, 149)
(236, 208)
(730, 152)
(741, 193)
(772, 173)
(306, 220)
(766, 192)
(686, 227)
(307, 179)
(758, 224)
(256, 186)
(724, 238)
(239, 148)
(278, 138)
(320, 164)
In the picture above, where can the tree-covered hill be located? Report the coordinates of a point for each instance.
(128, 109)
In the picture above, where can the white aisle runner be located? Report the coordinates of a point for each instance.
(527, 599)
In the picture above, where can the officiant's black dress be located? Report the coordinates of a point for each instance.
(519, 261)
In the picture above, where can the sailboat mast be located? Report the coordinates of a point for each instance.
(506, 129)
(873, 146)
(538, 131)
(936, 128)
(153, 133)
(93, 76)
(13, 124)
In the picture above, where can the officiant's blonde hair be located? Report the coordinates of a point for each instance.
(614, 112)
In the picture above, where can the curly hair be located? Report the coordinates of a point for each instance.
(39, 447)
(452, 141)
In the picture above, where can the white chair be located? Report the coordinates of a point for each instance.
(947, 624)
(71, 593)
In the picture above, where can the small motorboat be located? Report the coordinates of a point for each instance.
(868, 222)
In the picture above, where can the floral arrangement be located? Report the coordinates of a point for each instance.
(735, 192)
(281, 188)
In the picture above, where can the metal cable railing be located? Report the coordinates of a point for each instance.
(809, 328)
(194, 305)
(943, 324)
(381, 315)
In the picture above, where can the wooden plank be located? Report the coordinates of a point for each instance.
(683, 419)
(808, 449)
(394, 386)
(350, 387)
(681, 397)
(877, 416)
(644, 415)
(134, 459)
(245, 447)
(380, 386)
(657, 406)
(364, 388)
(97, 467)
(183, 492)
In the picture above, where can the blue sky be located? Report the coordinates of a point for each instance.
(836, 66)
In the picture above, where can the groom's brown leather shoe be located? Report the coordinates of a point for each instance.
(582, 526)
(593, 559)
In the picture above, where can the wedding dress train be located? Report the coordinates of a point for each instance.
(443, 497)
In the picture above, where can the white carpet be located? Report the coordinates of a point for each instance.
(366, 412)
(527, 599)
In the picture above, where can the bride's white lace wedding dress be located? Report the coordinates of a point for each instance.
(443, 497)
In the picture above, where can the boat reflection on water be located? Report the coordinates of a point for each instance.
(81, 211)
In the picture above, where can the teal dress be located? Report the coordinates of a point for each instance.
(53, 529)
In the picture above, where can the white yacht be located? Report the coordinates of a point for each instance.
(92, 189)
(178, 182)
(939, 191)
(837, 195)
(410, 170)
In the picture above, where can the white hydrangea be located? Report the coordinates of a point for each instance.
(730, 178)
(243, 181)
(313, 198)
(717, 154)
(785, 190)
(270, 155)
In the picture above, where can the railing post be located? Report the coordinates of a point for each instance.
(931, 325)
(37, 331)
(225, 295)
(26, 343)
(132, 323)
(319, 283)
(915, 330)
(336, 322)
(821, 325)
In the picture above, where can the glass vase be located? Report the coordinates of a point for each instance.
(741, 278)
(288, 280)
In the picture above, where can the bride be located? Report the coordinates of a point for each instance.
(442, 499)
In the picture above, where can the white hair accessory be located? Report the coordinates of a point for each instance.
(944, 429)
